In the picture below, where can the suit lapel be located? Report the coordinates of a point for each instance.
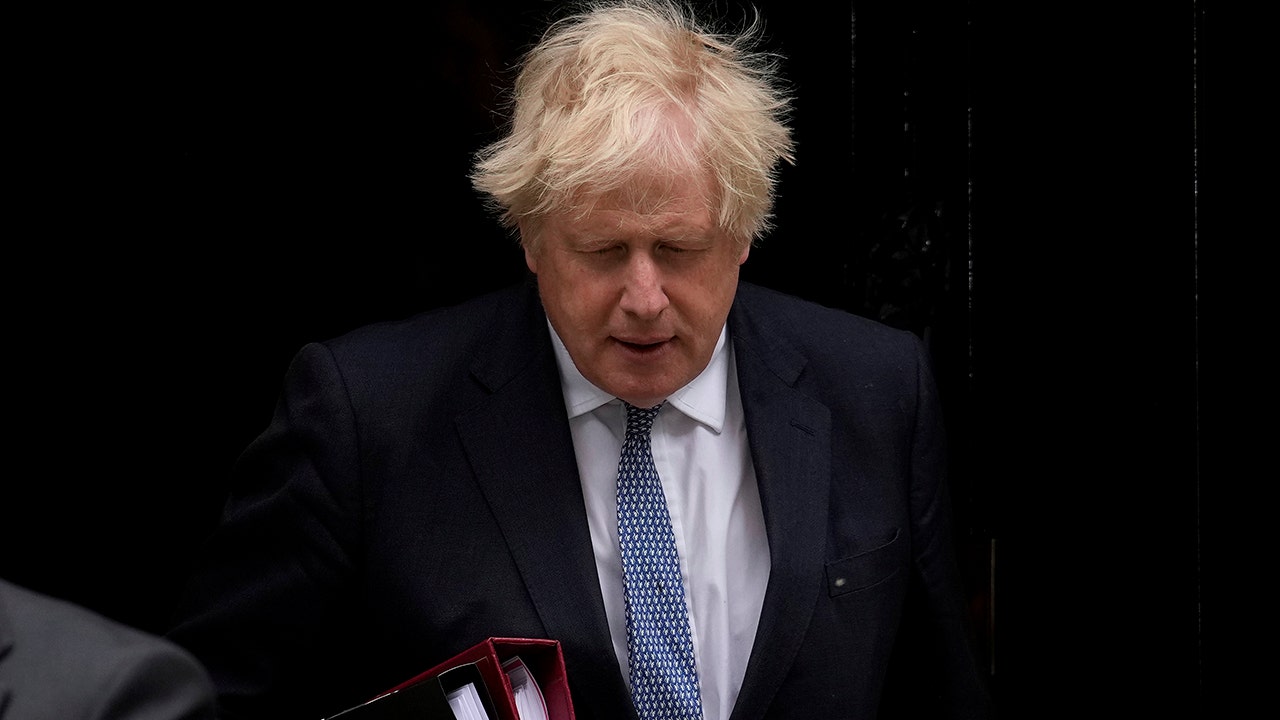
(521, 450)
(790, 436)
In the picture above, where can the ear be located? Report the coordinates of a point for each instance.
(530, 260)
(746, 250)
(530, 257)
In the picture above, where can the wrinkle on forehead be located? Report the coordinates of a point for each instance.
(671, 218)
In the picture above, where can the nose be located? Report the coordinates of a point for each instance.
(642, 293)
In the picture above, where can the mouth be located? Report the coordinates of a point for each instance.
(642, 346)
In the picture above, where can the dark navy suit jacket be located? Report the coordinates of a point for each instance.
(416, 492)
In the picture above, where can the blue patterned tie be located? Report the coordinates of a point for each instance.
(664, 676)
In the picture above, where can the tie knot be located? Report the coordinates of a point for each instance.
(640, 419)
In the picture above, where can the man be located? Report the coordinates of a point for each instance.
(429, 483)
(61, 660)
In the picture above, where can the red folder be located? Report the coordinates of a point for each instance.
(423, 696)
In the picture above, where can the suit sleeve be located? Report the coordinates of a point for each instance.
(264, 608)
(935, 671)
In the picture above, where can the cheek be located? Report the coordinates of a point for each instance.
(709, 301)
(593, 299)
(580, 297)
(712, 285)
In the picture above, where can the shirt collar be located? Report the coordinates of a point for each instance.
(703, 399)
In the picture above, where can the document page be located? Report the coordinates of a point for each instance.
(528, 696)
(465, 703)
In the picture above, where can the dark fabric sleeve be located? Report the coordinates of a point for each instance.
(265, 605)
(934, 672)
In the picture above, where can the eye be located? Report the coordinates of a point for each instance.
(680, 249)
(599, 249)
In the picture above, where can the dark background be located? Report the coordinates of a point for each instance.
(200, 190)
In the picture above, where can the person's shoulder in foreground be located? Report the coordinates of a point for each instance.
(61, 660)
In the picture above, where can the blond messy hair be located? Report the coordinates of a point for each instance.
(594, 103)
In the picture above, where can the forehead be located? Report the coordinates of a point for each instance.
(650, 200)
(658, 198)
(673, 219)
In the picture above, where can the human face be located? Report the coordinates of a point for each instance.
(639, 287)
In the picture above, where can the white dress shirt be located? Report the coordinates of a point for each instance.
(701, 453)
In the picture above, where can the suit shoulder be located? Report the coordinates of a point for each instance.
(65, 651)
(471, 318)
(490, 338)
(53, 620)
(808, 324)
